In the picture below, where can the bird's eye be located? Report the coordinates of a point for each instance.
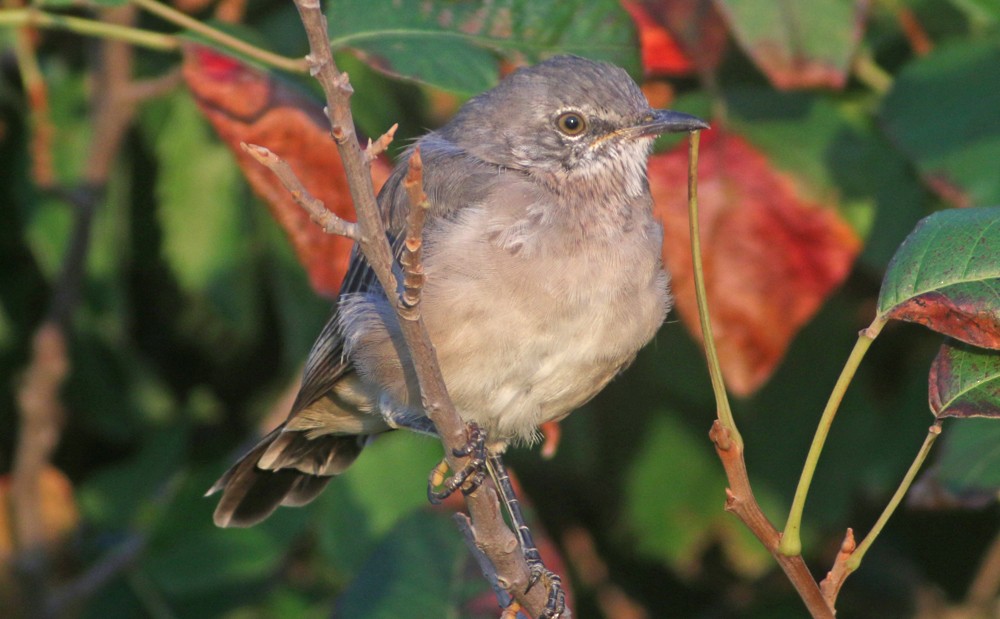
(571, 123)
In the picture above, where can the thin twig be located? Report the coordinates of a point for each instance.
(741, 502)
(728, 443)
(89, 27)
(839, 572)
(378, 147)
(38, 399)
(323, 217)
(791, 543)
(723, 410)
(172, 15)
(932, 433)
(42, 128)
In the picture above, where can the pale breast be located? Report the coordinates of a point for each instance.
(527, 333)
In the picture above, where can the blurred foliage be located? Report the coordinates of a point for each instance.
(195, 317)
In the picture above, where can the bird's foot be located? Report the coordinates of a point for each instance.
(538, 573)
(469, 478)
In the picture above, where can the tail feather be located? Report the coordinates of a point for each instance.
(284, 468)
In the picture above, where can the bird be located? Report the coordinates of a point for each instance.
(543, 279)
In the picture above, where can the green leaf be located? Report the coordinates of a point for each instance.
(112, 497)
(453, 45)
(965, 382)
(970, 459)
(942, 113)
(205, 559)
(419, 570)
(208, 240)
(837, 156)
(672, 516)
(385, 485)
(946, 276)
(800, 43)
(983, 14)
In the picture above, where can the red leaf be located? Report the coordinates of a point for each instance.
(247, 105)
(675, 33)
(772, 256)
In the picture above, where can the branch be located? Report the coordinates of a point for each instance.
(321, 216)
(172, 15)
(728, 443)
(838, 574)
(491, 533)
(742, 503)
(40, 409)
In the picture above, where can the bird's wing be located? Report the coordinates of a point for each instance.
(445, 168)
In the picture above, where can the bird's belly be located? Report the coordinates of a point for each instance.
(517, 352)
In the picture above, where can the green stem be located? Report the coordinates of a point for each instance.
(791, 542)
(723, 409)
(859, 553)
(88, 27)
(172, 15)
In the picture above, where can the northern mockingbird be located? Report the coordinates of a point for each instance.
(543, 280)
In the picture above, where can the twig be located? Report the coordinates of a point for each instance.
(728, 443)
(324, 218)
(932, 433)
(38, 399)
(42, 128)
(850, 556)
(491, 532)
(723, 410)
(172, 15)
(89, 27)
(741, 502)
(378, 147)
(791, 543)
(839, 572)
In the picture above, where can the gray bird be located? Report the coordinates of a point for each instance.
(543, 281)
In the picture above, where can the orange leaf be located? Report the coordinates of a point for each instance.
(672, 33)
(772, 255)
(247, 105)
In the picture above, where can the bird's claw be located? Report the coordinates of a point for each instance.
(469, 478)
(538, 573)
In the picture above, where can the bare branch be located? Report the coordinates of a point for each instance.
(741, 502)
(492, 535)
(838, 574)
(323, 217)
(378, 147)
(41, 424)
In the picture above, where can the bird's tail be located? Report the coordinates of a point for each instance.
(285, 468)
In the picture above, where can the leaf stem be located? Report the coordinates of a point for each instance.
(932, 433)
(791, 542)
(723, 409)
(172, 15)
(89, 27)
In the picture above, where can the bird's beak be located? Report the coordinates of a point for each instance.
(667, 121)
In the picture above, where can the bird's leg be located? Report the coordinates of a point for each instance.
(397, 417)
(556, 602)
(469, 478)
